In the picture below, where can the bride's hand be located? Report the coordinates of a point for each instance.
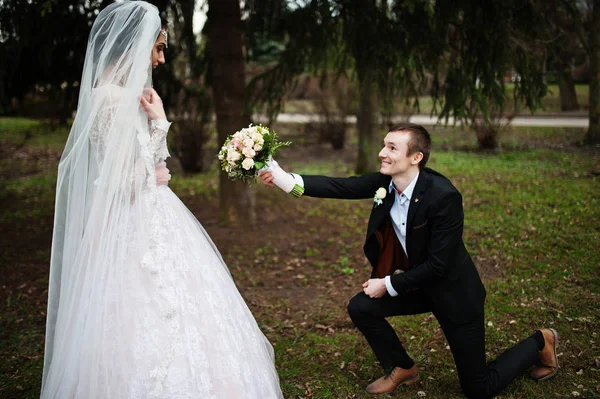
(154, 106)
(162, 174)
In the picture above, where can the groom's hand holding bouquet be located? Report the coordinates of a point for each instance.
(249, 153)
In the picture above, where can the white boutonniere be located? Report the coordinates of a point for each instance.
(379, 196)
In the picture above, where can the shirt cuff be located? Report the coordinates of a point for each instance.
(161, 124)
(388, 285)
(298, 179)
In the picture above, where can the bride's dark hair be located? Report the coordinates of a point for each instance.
(113, 51)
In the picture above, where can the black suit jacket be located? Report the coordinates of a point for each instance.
(439, 263)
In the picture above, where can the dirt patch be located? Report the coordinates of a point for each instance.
(287, 266)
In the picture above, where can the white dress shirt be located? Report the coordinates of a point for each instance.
(399, 214)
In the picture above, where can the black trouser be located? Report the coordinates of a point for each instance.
(467, 342)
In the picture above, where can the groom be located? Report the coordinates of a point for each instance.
(420, 264)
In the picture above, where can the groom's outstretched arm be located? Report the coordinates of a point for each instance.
(356, 187)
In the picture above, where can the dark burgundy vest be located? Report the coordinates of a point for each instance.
(391, 254)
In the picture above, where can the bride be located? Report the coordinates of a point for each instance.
(140, 302)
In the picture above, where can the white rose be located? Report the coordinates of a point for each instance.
(249, 152)
(257, 137)
(380, 193)
(233, 156)
(257, 147)
(248, 143)
(247, 164)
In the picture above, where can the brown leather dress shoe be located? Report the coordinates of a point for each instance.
(392, 380)
(548, 360)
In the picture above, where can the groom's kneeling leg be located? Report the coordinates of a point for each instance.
(369, 315)
(467, 342)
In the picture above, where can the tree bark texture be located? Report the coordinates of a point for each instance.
(365, 122)
(227, 63)
(566, 87)
(593, 133)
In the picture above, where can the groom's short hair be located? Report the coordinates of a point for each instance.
(420, 140)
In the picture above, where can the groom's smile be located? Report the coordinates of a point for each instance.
(395, 155)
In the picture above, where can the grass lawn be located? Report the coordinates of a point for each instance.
(532, 225)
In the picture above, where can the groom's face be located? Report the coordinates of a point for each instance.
(394, 154)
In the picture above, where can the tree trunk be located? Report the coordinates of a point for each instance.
(593, 133)
(225, 48)
(365, 123)
(566, 86)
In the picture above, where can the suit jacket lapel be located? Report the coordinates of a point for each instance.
(379, 213)
(416, 200)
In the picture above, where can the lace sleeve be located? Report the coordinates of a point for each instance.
(158, 139)
(99, 131)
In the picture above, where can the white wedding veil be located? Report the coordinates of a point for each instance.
(104, 173)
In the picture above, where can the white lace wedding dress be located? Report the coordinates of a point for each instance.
(140, 302)
(164, 318)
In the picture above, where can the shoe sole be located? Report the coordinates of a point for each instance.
(556, 341)
(411, 381)
(407, 382)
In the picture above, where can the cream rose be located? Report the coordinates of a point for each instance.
(247, 164)
(248, 143)
(257, 147)
(249, 152)
(233, 156)
(257, 137)
(380, 193)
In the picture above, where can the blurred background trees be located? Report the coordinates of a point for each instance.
(474, 62)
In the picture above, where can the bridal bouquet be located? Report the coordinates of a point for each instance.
(248, 151)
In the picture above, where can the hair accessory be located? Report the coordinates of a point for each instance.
(164, 33)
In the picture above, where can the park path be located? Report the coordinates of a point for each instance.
(422, 119)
